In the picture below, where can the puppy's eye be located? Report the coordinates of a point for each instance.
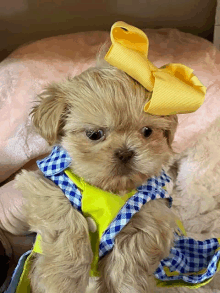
(95, 135)
(146, 131)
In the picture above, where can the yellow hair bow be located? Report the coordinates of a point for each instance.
(175, 89)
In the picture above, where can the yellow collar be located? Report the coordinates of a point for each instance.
(102, 207)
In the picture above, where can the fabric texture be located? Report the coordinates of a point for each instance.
(175, 89)
(17, 274)
(187, 257)
(191, 263)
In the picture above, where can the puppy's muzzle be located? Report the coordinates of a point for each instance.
(124, 155)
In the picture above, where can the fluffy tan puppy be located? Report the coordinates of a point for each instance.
(98, 118)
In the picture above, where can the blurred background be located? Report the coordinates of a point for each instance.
(23, 21)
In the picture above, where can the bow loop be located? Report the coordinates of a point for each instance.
(175, 89)
(129, 37)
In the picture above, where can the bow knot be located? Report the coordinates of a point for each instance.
(175, 89)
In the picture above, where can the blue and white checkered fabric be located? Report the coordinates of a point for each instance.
(53, 168)
(194, 261)
(188, 257)
(153, 189)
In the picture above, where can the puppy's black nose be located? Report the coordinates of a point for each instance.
(124, 155)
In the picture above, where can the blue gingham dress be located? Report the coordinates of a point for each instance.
(188, 257)
(53, 168)
(192, 261)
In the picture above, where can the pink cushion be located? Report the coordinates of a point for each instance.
(26, 71)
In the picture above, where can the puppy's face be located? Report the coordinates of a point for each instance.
(98, 118)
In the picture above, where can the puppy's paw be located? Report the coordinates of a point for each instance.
(20, 179)
(138, 250)
(27, 181)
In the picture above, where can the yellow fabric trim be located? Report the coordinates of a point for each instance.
(102, 207)
(184, 284)
(24, 285)
(90, 193)
(181, 227)
(24, 282)
(37, 245)
(171, 274)
(76, 179)
(169, 284)
(181, 283)
(176, 90)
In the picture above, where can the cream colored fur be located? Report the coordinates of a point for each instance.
(104, 98)
(196, 195)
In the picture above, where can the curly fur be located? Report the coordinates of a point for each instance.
(104, 98)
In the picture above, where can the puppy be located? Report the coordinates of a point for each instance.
(98, 118)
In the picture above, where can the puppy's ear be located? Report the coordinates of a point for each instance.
(169, 133)
(48, 116)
